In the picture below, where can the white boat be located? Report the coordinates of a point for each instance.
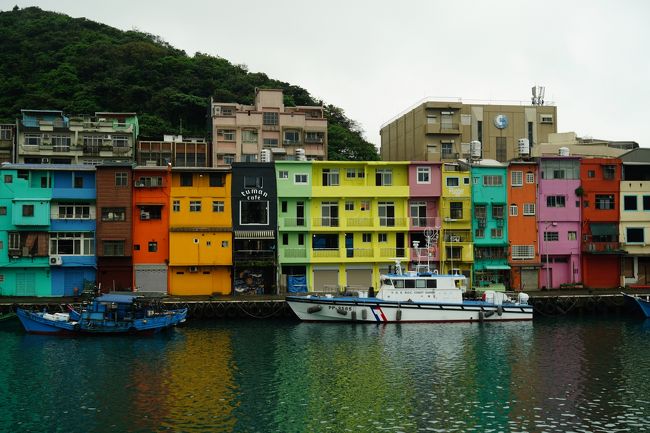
(411, 297)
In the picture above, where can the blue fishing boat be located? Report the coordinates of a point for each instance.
(642, 304)
(112, 313)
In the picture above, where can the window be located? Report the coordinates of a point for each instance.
(523, 252)
(120, 141)
(176, 205)
(447, 150)
(72, 243)
(283, 206)
(551, 236)
(350, 173)
(361, 174)
(634, 235)
(591, 173)
(479, 233)
(480, 211)
(28, 210)
(516, 178)
(496, 233)
(629, 202)
(111, 214)
(530, 177)
(121, 179)
(366, 237)
(382, 237)
(492, 180)
(424, 175)
(227, 159)
(572, 235)
(253, 181)
(6, 133)
(605, 201)
(454, 252)
(330, 176)
(9, 178)
(646, 202)
(456, 210)
(349, 205)
(452, 181)
(186, 179)
(501, 151)
(151, 212)
(513, 210)
(497, 211)
(270, 142)
(301, 239)
(419, 214)
(153, 247)
(78, 182)
(33, 139)
(330, 213)
(3, 210)
(386, 212)
(113, 248)
(249, 136)
(14, 240)
(224, 244)
(314, 137)
(300, 178)
(228, 134)
(291, 137)
(269, 118)
(254, 212)
(220, 206)
(283, 174)
(609, 172)
(285, 239)
(364, 205)
(384, 177)
(216, 179)
(529, 208)
(195, 205)
(555, 201)
(73, 211)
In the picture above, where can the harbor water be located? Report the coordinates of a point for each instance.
(550, 375)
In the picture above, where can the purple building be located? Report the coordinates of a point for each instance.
(424, 205)
(559, 213)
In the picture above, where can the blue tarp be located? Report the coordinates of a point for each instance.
(117, 298)
(296, 283)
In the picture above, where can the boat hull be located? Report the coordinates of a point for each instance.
(373, 310)
(642, 304)
(36, 323)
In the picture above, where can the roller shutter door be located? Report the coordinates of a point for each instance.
(151, 278)
(25, 284)
(359, 278)
(529, 279)
(325, 279)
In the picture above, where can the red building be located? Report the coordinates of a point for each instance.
(114, 226)
(601, 253)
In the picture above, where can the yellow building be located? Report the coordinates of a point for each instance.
(359, 222)
(200, 225)
(457, 249)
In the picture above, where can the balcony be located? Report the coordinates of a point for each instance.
(323, 253)
(326, 222)
(392, 222)
(392, 252)
(61, 148)
(121, 149)
(359, 222)
(424, 222)
(602, 247)
(449, 155)
(256, 255)
(421, 254)
(358, 252)
(294, 253)
(293, 222)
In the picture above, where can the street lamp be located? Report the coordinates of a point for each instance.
(548, 268)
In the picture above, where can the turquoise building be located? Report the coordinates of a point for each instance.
(25, 196)
(489, 225)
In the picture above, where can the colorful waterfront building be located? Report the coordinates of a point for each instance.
(151, 191)
(73, 264)
(456, 246)
(255, 222)
(114, 226)
(489, 224)
(559, 208)
(25, 196)
(424, 212)
(359, 222)
(601, 252)
(635, 216)
(523, 255)
(200, 226)
(293, 180)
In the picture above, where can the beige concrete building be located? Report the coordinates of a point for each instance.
(7, 136)
(587, 147)
(267, 130)
(439, 131)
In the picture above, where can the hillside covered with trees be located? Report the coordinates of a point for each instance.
(53, 61)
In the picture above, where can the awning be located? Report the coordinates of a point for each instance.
(257, 234)
(497, 267)
(603, 229)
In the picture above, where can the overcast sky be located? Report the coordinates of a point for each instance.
(376, 58)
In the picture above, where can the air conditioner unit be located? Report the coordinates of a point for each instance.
(56, 260)
(193, 269)
(45, 160)
(144, 215)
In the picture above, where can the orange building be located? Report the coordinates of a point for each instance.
(522, 225)
(601, 251)
(151, 192)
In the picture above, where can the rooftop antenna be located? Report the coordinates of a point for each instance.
(538, 95)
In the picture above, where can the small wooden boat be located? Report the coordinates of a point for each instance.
(107, 314)
(642, 305)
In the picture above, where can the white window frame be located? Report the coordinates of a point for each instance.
(517, 178)
(530, 177)
(195, 205)
(218, 206)
(424, 175)
(283, 174)
(529, 209)
(84, 241)
(492, 180)
(447, 181)
(301, 178)
(523, 252)
(514, 210)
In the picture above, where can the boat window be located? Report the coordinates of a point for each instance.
(387, 282)
(432, 284)
(410, 284)
(420, 284)
(399, 284)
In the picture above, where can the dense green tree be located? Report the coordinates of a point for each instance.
(53, 61)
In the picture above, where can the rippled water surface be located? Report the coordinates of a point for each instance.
(266, 376)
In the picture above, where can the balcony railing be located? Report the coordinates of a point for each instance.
(392, 222)
(293, 222)
(326, 222)
(601, 247)
(421, 253)
(294, 253)
(358, 252)
(359, 222)
(422, 222)
(254, 254)
(326, 252)
(392, 252)
(61, 148)
(121, 149)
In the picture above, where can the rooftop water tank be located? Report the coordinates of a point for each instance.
(475, 149)
(524, 147)
(265, 155)
(563, 151)
(300, 155)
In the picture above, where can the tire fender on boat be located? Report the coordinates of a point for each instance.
(314, 309)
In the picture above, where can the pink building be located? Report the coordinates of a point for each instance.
(559, 216)
(424, 204)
